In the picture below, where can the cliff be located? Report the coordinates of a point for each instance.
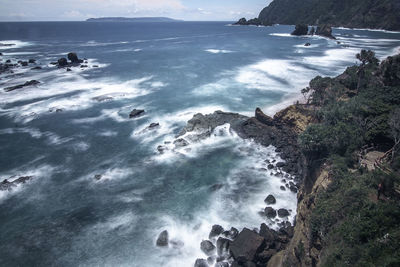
(373, 14)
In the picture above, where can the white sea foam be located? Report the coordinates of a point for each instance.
(52, 138)
(282, 34)
(14, 44)
(124, 222)
(362, 29)
(218, 51)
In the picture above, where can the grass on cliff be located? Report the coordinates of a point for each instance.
(355, 109)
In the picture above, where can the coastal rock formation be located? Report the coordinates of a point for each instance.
(300, 29)
(162, 239)
(325, 31)
(374, 14)
(245, 247)
(136, 113)
(73, 57)
(243, 21)
(8, 186)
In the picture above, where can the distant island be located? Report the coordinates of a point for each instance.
(372, 14)
(141, 19)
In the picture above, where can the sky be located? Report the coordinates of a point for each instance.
(65, 10)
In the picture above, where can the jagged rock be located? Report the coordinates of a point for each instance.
(242, 21)
(222, 246)
(247, 245)
(153, 125)
(162, 240)
(28, 83)
(136, 113)
(269, 234)
(8, 186)
(325, 31)
(270, 200)
(280, 164)
(261, 117)
(62, 62)
(287, 230)
(300, 29)
(270, 212)
(307, 44)
(73, 57)
(201, 263)
(312, 31)
(31, 61)
(232, 233)
(207, 247)
(181, 143)
(283, 213)
(215, 231)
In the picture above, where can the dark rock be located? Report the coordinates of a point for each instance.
(216, 230)
(270, 200)
(32, 60)
(283, 213)
(300, 29)
(28, 83)
(307, 44)
(261, 117)
(288, 231)
(235, 264)
(222, 246)
(8, 186)
(266, 255)
(153, 125)
(211, 260)
(98, 177)
(102, 98)
(181, 142)
(1, 54)
(24, 63)
(201, 263)
(312, 31)
(232, 233)
(36, 68)
(62, 62)
(136, 113)
(249, 264)
(293, 189)
(162, 240)
(280, 164)
(325, 31)
(216, 187)
(269, 234)
(247, 245)
(242, 21)
(282, 188)
(8, 61)
(161, 149)
(73, 57)
(207, 247)
(68, 69)
(270, 166)
(270, 212)
(84, 66)
(95, 66)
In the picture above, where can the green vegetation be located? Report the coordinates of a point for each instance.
(357, 108)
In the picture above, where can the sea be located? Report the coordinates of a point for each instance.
(74, 127)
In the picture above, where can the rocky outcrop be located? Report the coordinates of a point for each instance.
(325, 31)
(243, 21)
(300, 29)
(6, 185)
(73, 57)
(374, 14)
(19, 86)
(163, 238)
(136, 113)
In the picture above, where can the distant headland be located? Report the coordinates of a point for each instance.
(140, 19)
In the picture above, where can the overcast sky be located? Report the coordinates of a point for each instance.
(40, 10)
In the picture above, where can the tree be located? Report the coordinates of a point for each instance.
(367, 58)
(394, 123)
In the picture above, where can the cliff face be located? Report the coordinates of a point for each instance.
(374, 14)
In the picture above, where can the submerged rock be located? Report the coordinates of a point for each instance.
(307, 44)
(98, 177)
(136, 113)
(180, 143)
(8, 186)
(216, 230)
(162, 240)
(222, 246)
(28, 83)
(31, 61)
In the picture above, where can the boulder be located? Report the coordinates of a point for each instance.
(162, 240)
(280, 164)
(282, 188)
(247, 245)
(270, 200)
(24, 63)
(232, 233)
(325, 31)
(98, 177)
(31, 61)
(136, 113)
(211, 260)
(307, 44)
(300, 29)
(28, 83)
(8, 186)
(270, 166)
(222, 246)
(73, 57)
(62, 62)
(181, 143)
(283, 213)
(216, 230)
(201, 263)
(261, 117)
(207, 247)
(270, 212)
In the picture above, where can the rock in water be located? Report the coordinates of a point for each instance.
(283, 213)
(307, 44)
(162, 240)
(222, 246)
(270, 200)
(207, 247)
(300, 29)
(216, 230)
(241, 21)
(325, 30)
(31, 61)
(270, 212)
(73, 57)
(28, 83)
(62, 62)
(136, 113)
(247, 245)
(201, 263)
(180, 143)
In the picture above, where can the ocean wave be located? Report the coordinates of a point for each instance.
(13, 44)
(218, 51)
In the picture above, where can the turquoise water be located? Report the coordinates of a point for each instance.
(64, 216)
